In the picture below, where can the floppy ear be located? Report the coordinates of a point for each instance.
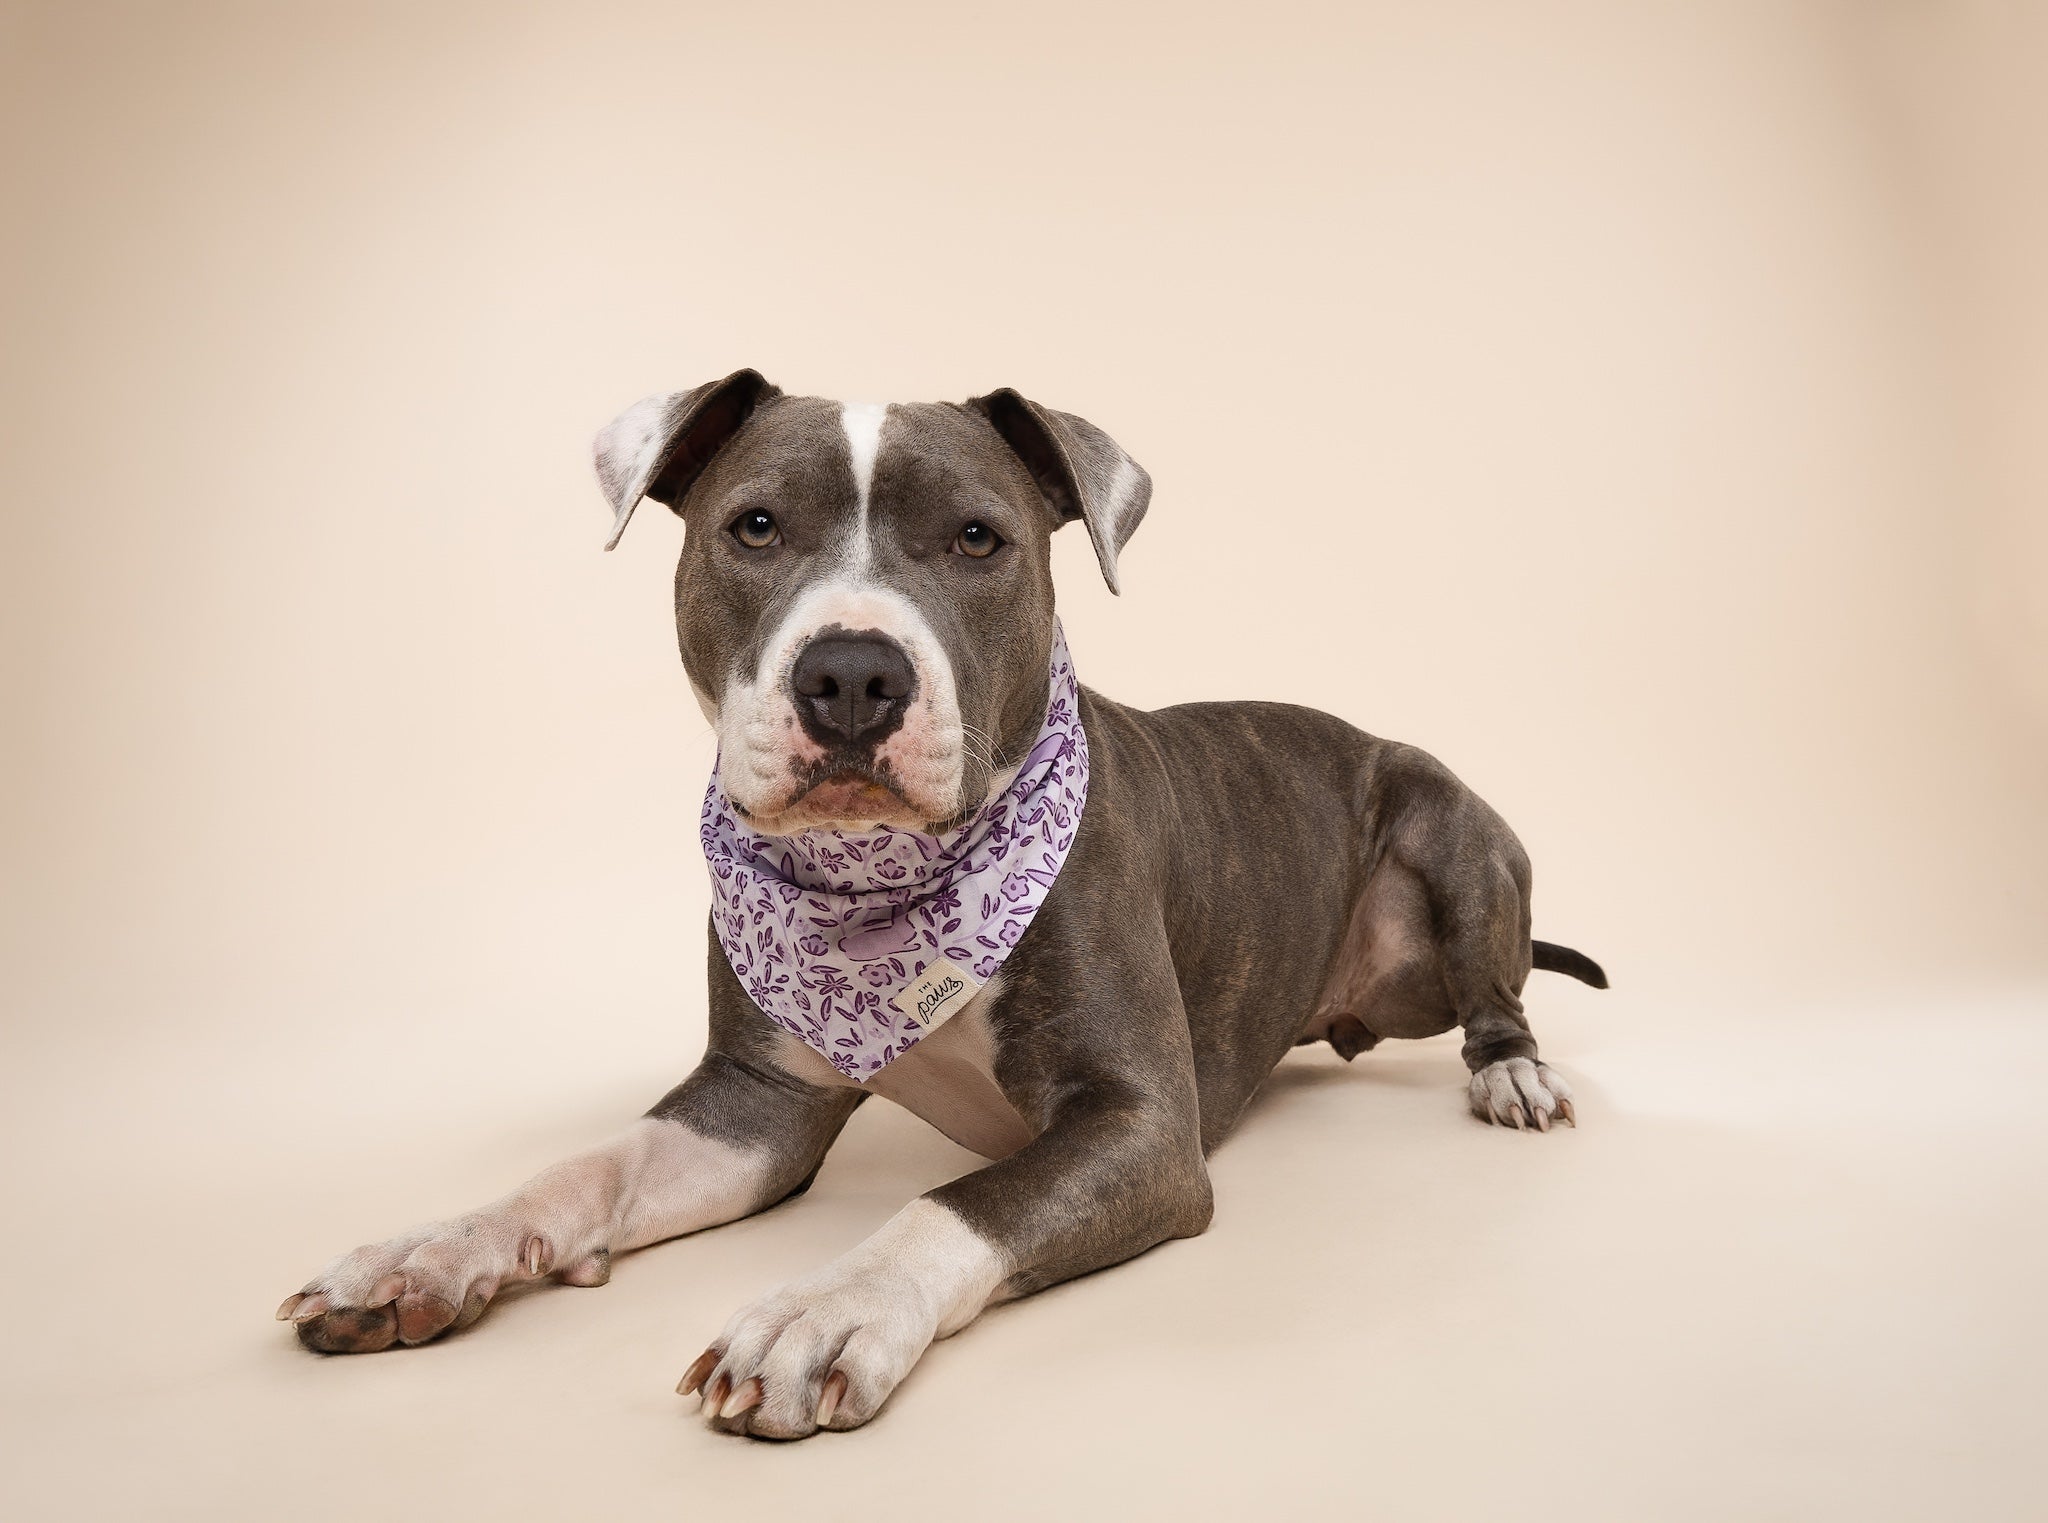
(661, 444)
(1080, 469)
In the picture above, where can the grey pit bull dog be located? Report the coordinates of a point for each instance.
(865, 609)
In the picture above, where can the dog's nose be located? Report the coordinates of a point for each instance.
(851, 687)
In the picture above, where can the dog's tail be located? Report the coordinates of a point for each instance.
(1552, 958)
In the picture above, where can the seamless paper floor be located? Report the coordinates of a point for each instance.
(1786, 1268)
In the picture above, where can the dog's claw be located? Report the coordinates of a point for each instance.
(714, 1397)
(291, 1304)
(536, 1256)
(699, 1369)
(748, 1394)
(311, 1307)
(386, 1290)
(828, 1402)
(1521, 1093)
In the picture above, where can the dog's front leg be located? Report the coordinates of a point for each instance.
(733, 1138)
(1117, 1168)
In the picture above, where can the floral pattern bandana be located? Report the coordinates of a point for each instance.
(862, 944)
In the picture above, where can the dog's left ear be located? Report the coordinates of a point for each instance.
(661, 444)
(1083, 473)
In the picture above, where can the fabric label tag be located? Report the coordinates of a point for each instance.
(938, 994)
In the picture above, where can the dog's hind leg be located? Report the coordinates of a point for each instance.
(1445, 916)
(1485, 950)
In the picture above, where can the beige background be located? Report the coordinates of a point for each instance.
(1637, 405)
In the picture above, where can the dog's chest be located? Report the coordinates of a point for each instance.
(947, 1080)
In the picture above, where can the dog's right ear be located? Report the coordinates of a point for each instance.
(661, 444)
(1083, 472)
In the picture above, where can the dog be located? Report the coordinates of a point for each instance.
(1073, 936)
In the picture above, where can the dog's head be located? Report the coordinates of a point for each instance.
(864, 600)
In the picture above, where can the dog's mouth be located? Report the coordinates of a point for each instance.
(845, 797)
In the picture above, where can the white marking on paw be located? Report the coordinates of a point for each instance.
(656, 1180)
(1520, 1092)
(870, 1314)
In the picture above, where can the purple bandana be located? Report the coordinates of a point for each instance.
(862, 945)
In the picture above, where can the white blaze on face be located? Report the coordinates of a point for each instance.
(863, 424)
(760, 733)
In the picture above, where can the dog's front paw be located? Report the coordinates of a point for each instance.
(1521, 1092)
(826, 1350)
(416, 1287)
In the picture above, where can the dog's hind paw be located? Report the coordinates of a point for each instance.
(1521, 1092)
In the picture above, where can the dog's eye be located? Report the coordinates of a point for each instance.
(756, 530)
(978, 540)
